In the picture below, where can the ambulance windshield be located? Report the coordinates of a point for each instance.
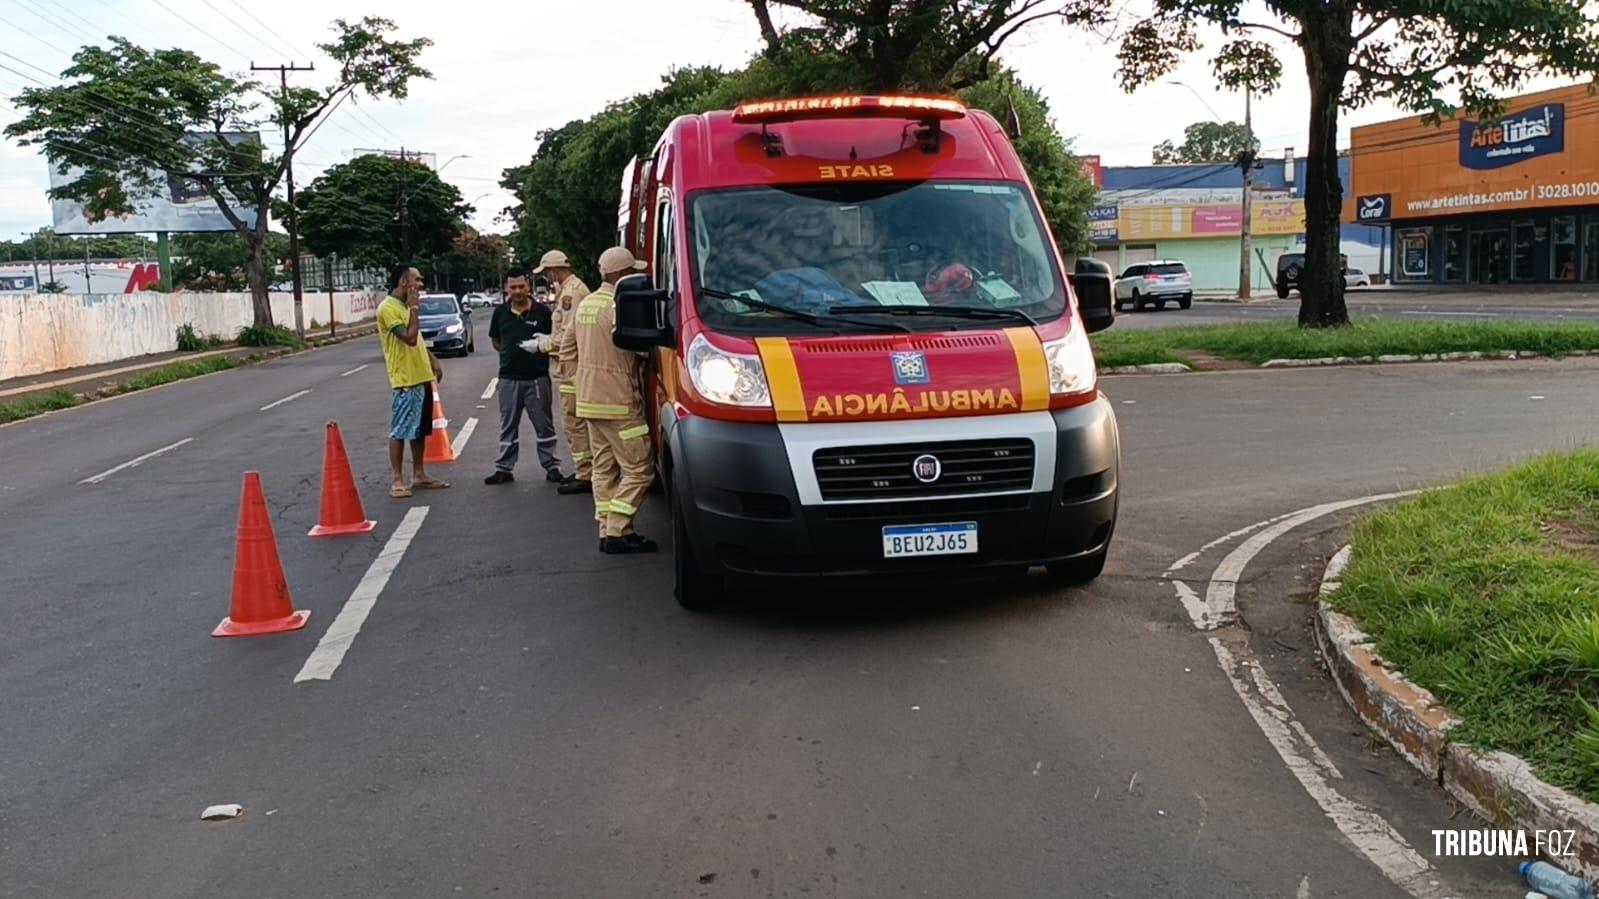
(975, 251)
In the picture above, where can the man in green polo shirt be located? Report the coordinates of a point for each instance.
(412, 371)
(520, 330)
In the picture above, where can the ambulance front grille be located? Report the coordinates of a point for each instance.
(889, 471)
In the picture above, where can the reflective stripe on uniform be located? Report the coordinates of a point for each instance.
(600, 410)
(569, 389)
(589, 309)
(634, 432)
(581, 457)
(600, 508)
(621, 507)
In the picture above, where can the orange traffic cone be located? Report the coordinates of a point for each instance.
(438, 446)
(341, 503)
(261, 603)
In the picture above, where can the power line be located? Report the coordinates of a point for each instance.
(268, 28)
(35, 36)
(202, 31)
(247, 32)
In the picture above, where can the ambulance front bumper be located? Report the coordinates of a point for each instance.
(755, 504)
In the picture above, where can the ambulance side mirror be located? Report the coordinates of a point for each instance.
(638, 314)
(1092, 282)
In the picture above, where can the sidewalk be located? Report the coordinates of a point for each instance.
(90, 379)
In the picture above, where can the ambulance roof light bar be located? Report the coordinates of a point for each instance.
(928, 109)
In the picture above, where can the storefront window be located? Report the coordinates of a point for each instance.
(1414, 249)
(1490, 255)
(1590, 251)
(1454, 253)
(1525, 237)
(1564, 248)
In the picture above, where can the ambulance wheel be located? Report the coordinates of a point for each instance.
(695, 590)
(1078, 571)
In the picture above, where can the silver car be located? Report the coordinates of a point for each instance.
(1153, 283)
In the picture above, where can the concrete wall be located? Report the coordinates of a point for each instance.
(48, 332)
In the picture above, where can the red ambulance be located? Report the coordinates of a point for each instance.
(864, 355)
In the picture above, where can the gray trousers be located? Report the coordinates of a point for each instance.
(532, 397)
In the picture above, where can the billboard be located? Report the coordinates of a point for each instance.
(1539, 156)
(1102, 222)
(1181, 220)
(179, 206)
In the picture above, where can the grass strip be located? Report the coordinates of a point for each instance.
(1258, 342)
(16, 410)
(1488, 595)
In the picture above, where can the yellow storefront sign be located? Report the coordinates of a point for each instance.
(1209, 220)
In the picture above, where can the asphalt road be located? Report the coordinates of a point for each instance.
(522, 716)
(1548, 306)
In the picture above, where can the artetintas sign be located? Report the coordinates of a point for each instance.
(1513, 138)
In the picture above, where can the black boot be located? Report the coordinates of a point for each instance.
(575, 485)
(499, 477)
(632, 544)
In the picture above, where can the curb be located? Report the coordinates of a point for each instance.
(1429, 357)
(1156, 368)
(1499, 787)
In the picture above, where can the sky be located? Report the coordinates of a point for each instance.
(504, 72)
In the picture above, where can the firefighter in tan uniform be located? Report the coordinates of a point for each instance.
(569, 291)
(608, 399)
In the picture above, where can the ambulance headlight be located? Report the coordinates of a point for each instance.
(732, 379)
(1071, 362)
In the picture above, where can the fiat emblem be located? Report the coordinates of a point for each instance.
(927, 468)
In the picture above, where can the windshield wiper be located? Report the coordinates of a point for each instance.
(800, 314)
(951, 311)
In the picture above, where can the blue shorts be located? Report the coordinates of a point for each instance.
(412, 416)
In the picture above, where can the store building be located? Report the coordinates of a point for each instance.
(1513, 199)
(1194, 213)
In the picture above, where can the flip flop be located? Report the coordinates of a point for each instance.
(400, 491)
(429, 484)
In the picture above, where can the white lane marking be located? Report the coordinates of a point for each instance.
(288, 399)
(1535, 397)
(353, 371)
(1472, 314)
(135, 463)
(329, 652)
(1189, 559)
(1220, 606)
(1367, 830)
(460, 438)
(488, 392)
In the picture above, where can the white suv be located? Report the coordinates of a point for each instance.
(1154, 283)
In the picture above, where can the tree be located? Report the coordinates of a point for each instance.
(568, 192)
(476, 260)
(1416, 53)
(353, 210)
(130, 119)
(219, 262)
(887, 45)
(1205, 142)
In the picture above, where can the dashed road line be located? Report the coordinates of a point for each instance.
(488, 392)
(329, 652)
(288, 399)
(461, 437)
(135, 463)
(353, 371)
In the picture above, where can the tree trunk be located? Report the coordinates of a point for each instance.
(255, 268)
(1328, 39)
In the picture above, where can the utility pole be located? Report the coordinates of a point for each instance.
(33, 250)
(88, 279)
(288, 169)
(1246, 161)
(405, 203)
(52, 256)
(333, 314)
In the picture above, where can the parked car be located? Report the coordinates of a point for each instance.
(1291, 267)
(1354, 277)
(1153, 283)
(446, 324)
(477, 301)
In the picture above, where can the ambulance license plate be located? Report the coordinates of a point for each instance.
(906, 540)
